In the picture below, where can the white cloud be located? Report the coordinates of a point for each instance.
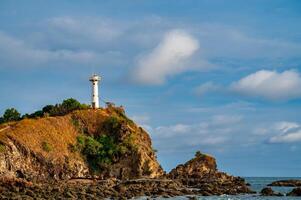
(226, 119)
(15, 52)
(210, 133)
(205, 88)
(88, 28)
(287, 137)
(169, 131)
(270, 85)
(260, 131)
(286, 126)
(209, 140)
(170, 57)
(283, 132)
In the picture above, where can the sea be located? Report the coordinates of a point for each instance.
(257, 184)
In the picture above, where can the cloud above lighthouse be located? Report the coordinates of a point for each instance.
(172, 56)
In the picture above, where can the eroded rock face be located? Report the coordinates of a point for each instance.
(21, 162)
(23, 153)
(201, 172)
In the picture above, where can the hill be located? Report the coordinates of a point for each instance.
(85, 143)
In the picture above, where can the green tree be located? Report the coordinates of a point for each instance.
(198, 154)
(11, 114)
(36, 114)
(47, 109)
(71, 104)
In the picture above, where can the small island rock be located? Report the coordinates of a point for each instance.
(269, 192)
(286, 183)
(201, 172)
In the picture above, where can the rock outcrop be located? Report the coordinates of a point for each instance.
(269, 192)
(286, 183)
(296, 192)
(201, 172)
(44, 148)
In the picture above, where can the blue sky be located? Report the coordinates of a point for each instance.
(218, 76)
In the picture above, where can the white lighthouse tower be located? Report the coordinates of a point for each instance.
(95, 100)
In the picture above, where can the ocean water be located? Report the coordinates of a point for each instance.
(257, 183)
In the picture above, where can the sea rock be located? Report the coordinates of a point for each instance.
(286, 183)
(296, 192)
(201, 172)
(269, 192)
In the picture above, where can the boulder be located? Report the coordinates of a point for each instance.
(269, 192)
(296, 192)
(286, 183)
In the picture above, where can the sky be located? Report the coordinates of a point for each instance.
(222, 77)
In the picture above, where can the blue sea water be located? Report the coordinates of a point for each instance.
(257, 183)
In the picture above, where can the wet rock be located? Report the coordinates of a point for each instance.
(296, 192)
(286, 183)
(269, 192)
(192, 197)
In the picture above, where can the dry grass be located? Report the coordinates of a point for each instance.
(58, 132)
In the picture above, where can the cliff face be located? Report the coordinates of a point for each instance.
(49, 148)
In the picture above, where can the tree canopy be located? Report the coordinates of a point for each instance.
(67, 106)
(11, 114)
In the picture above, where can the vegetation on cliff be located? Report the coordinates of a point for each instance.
(104, 148)
(67, 106)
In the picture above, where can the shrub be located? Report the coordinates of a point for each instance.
(66, 107)
(46, 147)
(71, 104)
(198, 154)
(111, 125)
(11, 114)
(37, 114)
(92, 147)
(47, 109)
(101, 150)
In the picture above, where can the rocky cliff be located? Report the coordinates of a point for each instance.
(76, 146)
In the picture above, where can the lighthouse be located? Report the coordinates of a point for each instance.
(95, 100)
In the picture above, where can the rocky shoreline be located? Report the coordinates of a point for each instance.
(100, 189)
